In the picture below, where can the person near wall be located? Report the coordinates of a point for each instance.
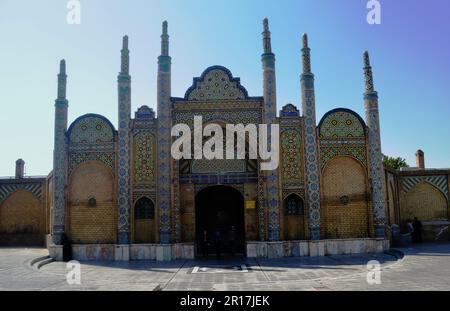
(67, 248)
(232, 240)
(218, 241)
(205, 243)
(417, 233)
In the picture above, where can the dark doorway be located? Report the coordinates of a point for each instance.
(220, 230)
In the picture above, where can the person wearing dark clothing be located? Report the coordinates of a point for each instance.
(217, 241)
(417, 233)
(205, 244)
(232, 240)
(67, 248)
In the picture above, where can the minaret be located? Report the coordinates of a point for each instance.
(123, 163)
(311, 142)
(60, 156)
(164, 138)
(270, 108)
(378, 184)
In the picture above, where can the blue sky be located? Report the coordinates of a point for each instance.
(409, 53)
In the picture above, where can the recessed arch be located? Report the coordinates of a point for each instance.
(219, 217)
(293, 204)
(21, 213)
(144, 218)
(345, 207)
(293, 217)
(92, 208)
(426, 202)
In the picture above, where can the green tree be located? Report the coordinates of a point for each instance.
(394, 163)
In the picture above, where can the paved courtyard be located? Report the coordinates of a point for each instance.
(424, 267)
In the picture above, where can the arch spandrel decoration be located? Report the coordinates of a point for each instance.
(216, 83)
(91, 138)
(91, 129)
(7, 189)
(342, 132)
(341, 123)
(440, 182)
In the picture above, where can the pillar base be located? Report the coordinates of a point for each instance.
(314, 233)
(379, 231)
(164, 237)
(57, 238)
(122, 253)
(56, 252)
(123, 238)
(164, 252)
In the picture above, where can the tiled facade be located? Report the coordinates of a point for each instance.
(122, 191)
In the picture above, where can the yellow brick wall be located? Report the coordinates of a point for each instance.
(87, 224)
(22, 212)
(187, 206)
(144, 230)
(294, 227)
(344, 176)
(425, 202)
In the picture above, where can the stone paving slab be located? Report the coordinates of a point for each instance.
(424, 267)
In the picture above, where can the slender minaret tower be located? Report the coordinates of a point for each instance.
(270, 108)
(59, 157)
(164, 139)
(311, 150)
(123, 163)
(378, 184)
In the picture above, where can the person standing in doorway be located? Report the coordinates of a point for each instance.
(205, 243)
(217, 241)
(232, 240)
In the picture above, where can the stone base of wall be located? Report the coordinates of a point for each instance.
(159, 252)
(315, 248)
(113, 252)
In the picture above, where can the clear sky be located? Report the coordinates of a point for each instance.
(409, 53)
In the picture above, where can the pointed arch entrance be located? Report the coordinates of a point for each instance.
(220, 222)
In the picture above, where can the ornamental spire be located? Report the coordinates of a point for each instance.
(125, 57)
(368, 73)
(266, 37)
(306, 55)
(165, 39)
(62, 80)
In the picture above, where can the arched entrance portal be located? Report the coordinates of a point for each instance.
(219, 214)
